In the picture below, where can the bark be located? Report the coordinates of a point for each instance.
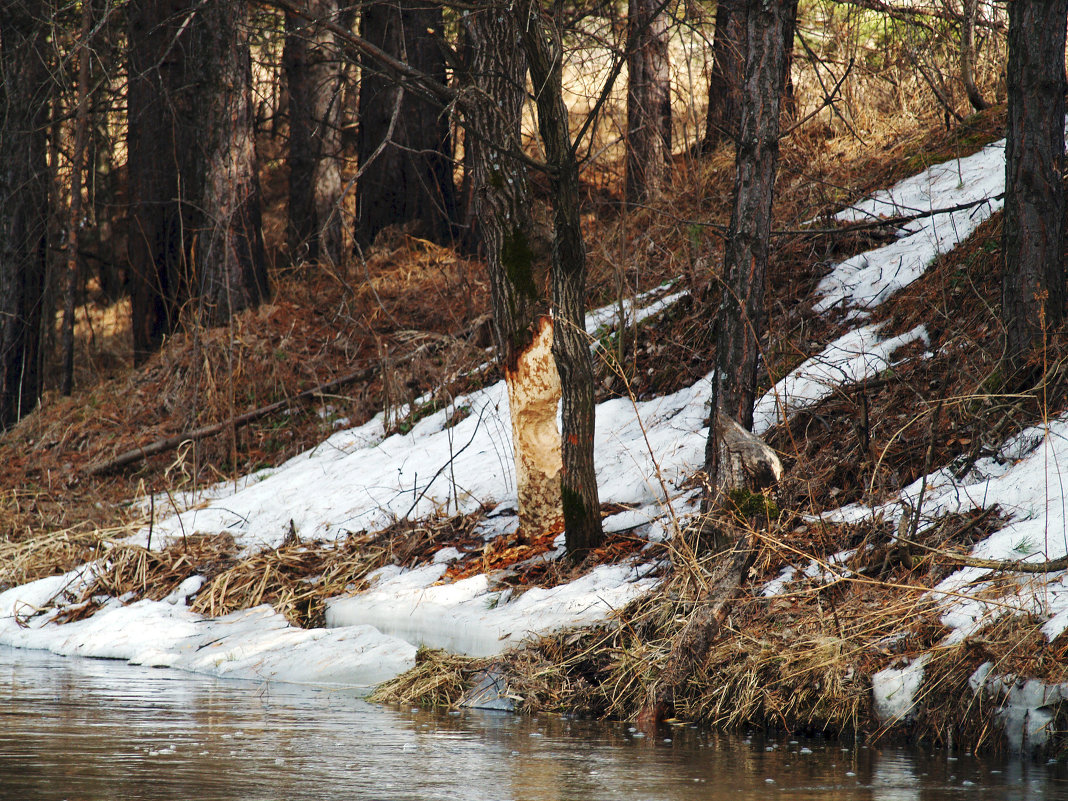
(582, 516)
(230, 262)
(723, 118)
(967, 55)
(648, 102)
(410, 181)
(74, 220)
(315, 80)
(740, 322)
(1033, 244)
(24, 180)
(493, 101)
(725, 91)
(163, 179)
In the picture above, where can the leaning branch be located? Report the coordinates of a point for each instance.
(166, 444)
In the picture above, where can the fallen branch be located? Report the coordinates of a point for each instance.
(143, 452)
(1001, 565)
(693, 643)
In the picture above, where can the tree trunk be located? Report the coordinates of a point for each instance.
(1033, 246)
(967, 55)
(314, 77)
(648, 102)
(494, 95)
(410, 179)
(740, 322)
(163, 179)
(231, 266)
(74, 219)
(582, 510)
(723, 118)
(24, 84)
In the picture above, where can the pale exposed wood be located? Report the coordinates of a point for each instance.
(533, 399)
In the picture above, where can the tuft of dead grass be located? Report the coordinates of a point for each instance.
(439, 680)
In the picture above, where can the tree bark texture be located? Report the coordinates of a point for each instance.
(81, 129)
(1033, 245)
(163, 177)
(494, 94)
(648, 102)
(410, 180)
(740, 322)
(723, 118)
(582, 509)
(314, 78)
(230, 267)
(24, 180)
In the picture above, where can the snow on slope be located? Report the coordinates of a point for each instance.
(362, 479)
(866, 280)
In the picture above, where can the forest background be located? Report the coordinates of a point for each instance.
(228, 225)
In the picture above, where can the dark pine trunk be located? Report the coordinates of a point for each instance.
(1033, 249)
(163, 179)
(314, 77)
(723, 119)
(24, 180)
(740, 322)
(494, 94)
(231, 267)
(409, 180)
(571, 347)
(648, 102)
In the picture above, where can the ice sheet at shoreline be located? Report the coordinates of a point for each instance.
(255, 644)
(466, 617)
(866, 280)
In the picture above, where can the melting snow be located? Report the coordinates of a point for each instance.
(645, 451)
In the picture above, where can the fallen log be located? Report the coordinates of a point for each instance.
(694, 642)
(169, 443)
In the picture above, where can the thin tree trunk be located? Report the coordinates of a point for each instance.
(81, 127)
(164, 182)
(582, 511)
(723, 118)
(967, 55)
(1033, 247)
(24, 104)
(314, 77)
(493, 101)
(740, 322)
(231, 266)
(410, 180)
(648, 102)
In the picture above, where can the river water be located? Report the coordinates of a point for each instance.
(85, 730)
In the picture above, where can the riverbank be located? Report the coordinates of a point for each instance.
(905, 573)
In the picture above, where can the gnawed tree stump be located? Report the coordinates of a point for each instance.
(533, 398)
(746, 462)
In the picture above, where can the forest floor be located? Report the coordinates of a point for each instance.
(404, 332)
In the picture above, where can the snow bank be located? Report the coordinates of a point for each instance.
(252, 644)
(850, 359)
(866, 280)
(467, 617)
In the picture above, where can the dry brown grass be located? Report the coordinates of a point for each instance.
(439, 680)
(800, 661)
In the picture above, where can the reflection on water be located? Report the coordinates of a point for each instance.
(89, 729)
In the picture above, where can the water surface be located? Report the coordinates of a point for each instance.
(91, 729)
